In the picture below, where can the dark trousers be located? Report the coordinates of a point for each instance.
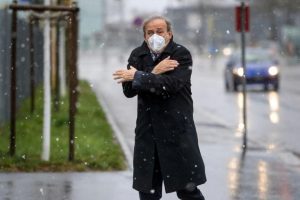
(181, 194)
(156, 192)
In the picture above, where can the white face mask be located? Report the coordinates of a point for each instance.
(156, 43)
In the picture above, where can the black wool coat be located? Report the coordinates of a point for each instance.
(164, 121)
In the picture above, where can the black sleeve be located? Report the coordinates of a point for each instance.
(167, 83)
(127, 86)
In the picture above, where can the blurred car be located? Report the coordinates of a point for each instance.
(261, 68)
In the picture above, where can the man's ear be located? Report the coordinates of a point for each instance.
(170, 34)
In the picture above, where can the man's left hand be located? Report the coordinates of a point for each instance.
(124, 75)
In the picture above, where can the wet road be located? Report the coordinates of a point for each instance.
(270, 169)
(271, 116)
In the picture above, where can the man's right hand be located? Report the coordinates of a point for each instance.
(165, 65)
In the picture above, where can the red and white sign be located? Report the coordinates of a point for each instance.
(238, 18)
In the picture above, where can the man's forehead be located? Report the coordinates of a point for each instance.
(156, 24)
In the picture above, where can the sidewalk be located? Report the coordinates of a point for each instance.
(260, 175)
(66, 186)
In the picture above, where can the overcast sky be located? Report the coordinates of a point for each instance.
(145, 5)
(135, 7)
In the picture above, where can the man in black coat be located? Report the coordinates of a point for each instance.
(166, 144)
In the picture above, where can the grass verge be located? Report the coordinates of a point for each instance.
(95, 145)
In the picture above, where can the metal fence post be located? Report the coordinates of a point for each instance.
(13, 86)
(32, 71)
(73, 80)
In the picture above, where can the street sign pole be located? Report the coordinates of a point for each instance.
(243, 23)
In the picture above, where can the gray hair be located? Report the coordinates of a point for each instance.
(147, 21)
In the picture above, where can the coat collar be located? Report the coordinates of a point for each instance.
(145, 49)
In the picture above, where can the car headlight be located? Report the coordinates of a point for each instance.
(273, 70)
(227, 51)
(239, 71)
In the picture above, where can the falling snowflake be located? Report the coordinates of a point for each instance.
(152, 191)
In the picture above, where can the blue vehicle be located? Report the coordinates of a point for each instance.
(261, 68)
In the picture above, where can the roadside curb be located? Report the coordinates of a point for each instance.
(116, 129)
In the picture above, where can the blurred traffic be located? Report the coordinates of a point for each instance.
(261, 68)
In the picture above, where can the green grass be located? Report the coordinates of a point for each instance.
(95, 146)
